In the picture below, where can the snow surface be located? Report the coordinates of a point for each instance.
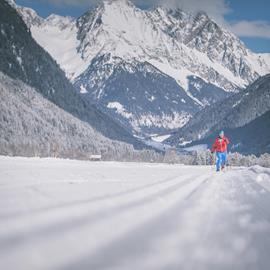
(160, 138)
(83, 90)
(58, 36)
(64, 214)
(157, 145)
(120, 109)
(198, 147)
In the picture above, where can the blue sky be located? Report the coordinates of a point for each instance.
(248, 19)
(250, 10)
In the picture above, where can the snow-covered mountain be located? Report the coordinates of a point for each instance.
(140, 96)
(177, 43)
(22, 58)
(206, 61)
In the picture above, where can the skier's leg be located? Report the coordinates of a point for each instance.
(223, 160)
(218, 163)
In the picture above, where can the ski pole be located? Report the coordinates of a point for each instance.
(213, 160)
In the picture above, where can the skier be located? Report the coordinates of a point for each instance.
(220, 148)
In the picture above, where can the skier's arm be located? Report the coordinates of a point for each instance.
(227, 140)
(213, 147)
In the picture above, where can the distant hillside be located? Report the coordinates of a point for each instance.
(253, 138)
(233, 112)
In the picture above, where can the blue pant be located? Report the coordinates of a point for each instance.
(221, 160)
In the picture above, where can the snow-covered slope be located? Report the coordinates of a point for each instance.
(58, 35)
(31, 125)
(63, 214)
(186, 47)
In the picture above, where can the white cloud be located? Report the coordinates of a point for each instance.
(216, 9)
(251, 29)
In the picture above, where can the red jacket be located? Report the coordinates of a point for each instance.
(220, 144)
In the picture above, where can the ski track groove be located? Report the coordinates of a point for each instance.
(47, 237)
(114, 256)
(86, 201)
(148, 230)
(102, 215)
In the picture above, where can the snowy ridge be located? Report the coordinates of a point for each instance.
(30, 17)
(163, 37)
(134, 35)
(57, 35)
(60, 39)
(12, 3)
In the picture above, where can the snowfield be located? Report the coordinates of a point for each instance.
(64, 214)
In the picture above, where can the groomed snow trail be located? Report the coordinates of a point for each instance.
(63, 214)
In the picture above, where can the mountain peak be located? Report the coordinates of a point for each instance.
(12, 3)
(55, 19)
(171, 40)
(119, 2)
(118, 5)
(29, 16)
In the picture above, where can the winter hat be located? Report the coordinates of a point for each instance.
(221, 133)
